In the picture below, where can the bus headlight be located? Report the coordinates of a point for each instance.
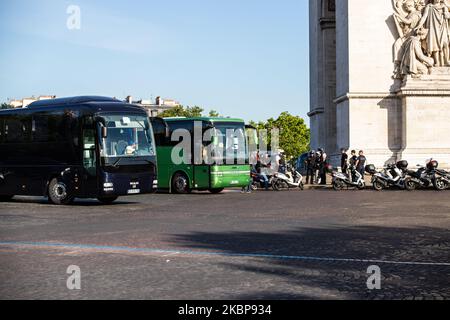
(108, 186)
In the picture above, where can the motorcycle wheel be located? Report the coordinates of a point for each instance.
(378, 186)
(254, 186)
(279, 185)
(410, 185)
(338, 185)
(440, 184)
(361, 186)
(276, 186)
(302, 186)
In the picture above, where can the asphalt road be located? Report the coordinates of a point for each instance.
(315, 244)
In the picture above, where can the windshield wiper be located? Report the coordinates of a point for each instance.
(116, 163)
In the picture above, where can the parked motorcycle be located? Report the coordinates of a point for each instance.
(425, 177)
(289, 180)
(393, 175)
(442, 179)
(258, 182)
(342, 180)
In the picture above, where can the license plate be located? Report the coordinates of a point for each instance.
(134, 191)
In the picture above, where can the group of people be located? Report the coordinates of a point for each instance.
(355, 163)
(317, 165)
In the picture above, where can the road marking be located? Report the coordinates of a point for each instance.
(206, 253)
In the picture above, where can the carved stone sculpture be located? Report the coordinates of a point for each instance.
(411, 16)
(414, 62)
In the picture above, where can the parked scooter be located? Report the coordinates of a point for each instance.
(442, 179)
(424, 177)
(354, 180)
(289, 180)
(393, 175)
(258, 182)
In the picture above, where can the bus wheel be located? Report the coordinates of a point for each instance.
(58, 193)
(216, 191)
(107, 200)
(5, 198)
(180, 184)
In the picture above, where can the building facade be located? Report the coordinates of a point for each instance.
(154, 108)
(369, 89)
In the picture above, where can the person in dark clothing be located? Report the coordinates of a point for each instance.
(344, 161)
(361, 163)
(353, 161)
(261, 174)
(323, 163)
(310, 167)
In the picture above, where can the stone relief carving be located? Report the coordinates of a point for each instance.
(424, 36)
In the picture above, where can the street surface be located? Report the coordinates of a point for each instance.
(315, 244)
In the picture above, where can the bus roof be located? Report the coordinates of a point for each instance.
(92, 103)
(211, 119)
(71, 100)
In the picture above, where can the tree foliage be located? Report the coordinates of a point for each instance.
(181, 111)
(294, 136)
(5, 106)
(188, 112)
(214, 114)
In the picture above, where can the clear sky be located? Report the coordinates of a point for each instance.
(243, 58)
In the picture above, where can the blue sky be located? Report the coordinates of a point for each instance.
(243, 58)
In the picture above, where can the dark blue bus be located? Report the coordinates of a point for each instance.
(81, 147)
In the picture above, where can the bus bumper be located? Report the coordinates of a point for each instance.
(229, 176)
(115, 184)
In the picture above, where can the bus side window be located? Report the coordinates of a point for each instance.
(40, 128)
(159, 131)
(2, 130)
(18, 129)
(89, 159)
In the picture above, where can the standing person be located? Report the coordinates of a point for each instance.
(344, 161)
(353, 161)
(361, 163)
(317, 168)
(353, 158)
(323, 167)
(310, 163)
(282, 163)
(248, 188)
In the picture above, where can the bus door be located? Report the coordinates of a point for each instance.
(89, 158)
(202, 172)
(201, 176)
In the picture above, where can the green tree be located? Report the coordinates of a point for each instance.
(5, 106)
(294, 136)
(181, 111)
(214, 114)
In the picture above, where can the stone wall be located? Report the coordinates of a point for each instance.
(388, 119)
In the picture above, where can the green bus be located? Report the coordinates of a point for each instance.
(201, 170)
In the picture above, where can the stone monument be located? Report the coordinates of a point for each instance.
(380, 79)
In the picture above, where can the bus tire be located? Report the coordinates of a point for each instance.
(180, 183)
(107, 200)
(59, 193)
(216, 191)
(5, 198)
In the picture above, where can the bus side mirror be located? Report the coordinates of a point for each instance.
(167, 132)
(104, 132)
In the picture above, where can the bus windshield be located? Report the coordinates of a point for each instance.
(127, 136)
(231, 139)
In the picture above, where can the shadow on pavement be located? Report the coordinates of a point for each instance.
(310, 279)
